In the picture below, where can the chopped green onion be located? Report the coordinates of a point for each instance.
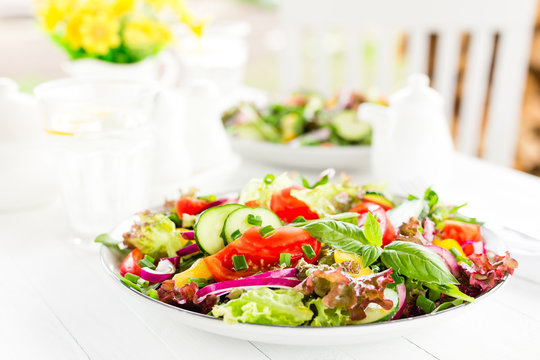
(176, 220)
(267, 230)
(421, 229)
(308, 250)
(285, 258)
(153, 294)
(148, 262)
(425, 304)
(239, 262)
(412, 197)
(299, 219)
(236, 234)
(433, 295)
(460, 257)
(254, 220)
(132, 277)
(210, 198)
(129, 283)
(199, 281)
(143, 283)
(268, 179)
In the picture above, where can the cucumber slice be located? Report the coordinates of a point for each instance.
(375, 313)
(406, 210)
(379, 198)
(210, 225)
(348, 127)
(237, 220)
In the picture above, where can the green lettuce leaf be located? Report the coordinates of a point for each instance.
(265, 306)
(417, 262)
(260, 191)
(450, 290)
(328, 199)
(155, 235)
(327, 316)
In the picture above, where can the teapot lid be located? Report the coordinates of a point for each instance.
(417, 90)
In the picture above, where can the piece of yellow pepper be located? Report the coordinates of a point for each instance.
(342, 256)
(449, 244)
(197, 270)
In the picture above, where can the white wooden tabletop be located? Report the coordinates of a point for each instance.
(57, 301)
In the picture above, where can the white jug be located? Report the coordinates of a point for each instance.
(411, 140)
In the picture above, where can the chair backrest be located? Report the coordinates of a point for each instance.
(499, 34)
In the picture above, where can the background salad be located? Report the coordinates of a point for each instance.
(303, 119)
(287, 252)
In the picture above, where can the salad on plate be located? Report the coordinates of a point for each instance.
(287, 252)
(305, 119)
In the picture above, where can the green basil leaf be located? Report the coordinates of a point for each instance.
(344, 236)
(372, 230)
(450, 290)
(417, 262)
(448, 305)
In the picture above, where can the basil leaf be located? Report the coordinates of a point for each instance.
(372, 230)
(447, 305)
(417, 262)
(344, 236)
(450, 290)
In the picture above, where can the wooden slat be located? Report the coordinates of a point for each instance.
(322, 63)
(474, 94)
(352, 61)
(417, 51)
(291, 58)
(385, 60)
(446, 60)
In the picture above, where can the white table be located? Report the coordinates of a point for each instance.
(57, 302)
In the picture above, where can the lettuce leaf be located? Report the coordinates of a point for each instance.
(261, 192)
(485, 272)
(328, 199)
(185, 297)
(327, 316)
(265, 306)
(155, 235)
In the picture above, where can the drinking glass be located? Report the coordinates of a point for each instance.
(101, 137)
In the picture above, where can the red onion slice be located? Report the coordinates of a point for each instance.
(448, 258)
(402, 296)
(224, 287)
(478, 246)
(188, 235)
(429, 230)
(188, 250)
(163, 271)
(215, 203)
(283, 273)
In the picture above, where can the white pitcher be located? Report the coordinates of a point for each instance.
(411, 140)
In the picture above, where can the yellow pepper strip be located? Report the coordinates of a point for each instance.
(449, 244)
(197, 270)
(342, 256)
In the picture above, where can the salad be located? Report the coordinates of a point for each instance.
(303, 119)
(287, 252)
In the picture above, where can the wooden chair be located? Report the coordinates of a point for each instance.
(379, 24)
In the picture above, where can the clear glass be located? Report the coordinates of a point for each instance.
(101, 137)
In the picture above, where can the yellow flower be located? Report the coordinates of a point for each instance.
(52, 12)
(99, 33)
(73, 32)
(122, 7)
(144, 33)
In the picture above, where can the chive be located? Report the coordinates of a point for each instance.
(460, 257)
(199, 281)
(299, 219)
(210, 198)
(153, 294)
(143, 283)
(254, 220)
(132, 277)
(267, 230)
(129, 283)
(285, 258)
(236, 234)
(421, 229)
(268, 179)
(308, 251)
(148, 262)
(176, 220)
(433, 295)
(239, 262)
(425, 304)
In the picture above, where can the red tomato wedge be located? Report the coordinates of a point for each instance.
(130, 264)
(389, 233)
(190, 205)
(288, 208)
(461, 231)
(261, 253)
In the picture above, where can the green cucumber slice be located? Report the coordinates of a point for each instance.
(375, 313)
(209, 227)
(348, 127)
(237, 220)
(411, 208)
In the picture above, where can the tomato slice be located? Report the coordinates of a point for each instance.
(288, 208)
(261, 253)
(130, 264)
(389, 233)
(461, 231)
(190, 205)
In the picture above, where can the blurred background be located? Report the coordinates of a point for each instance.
(30, 57)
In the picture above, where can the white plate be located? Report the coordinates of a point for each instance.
(288, 334)
(352, 157)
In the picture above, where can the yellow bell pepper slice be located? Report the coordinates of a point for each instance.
(449, 244)
(342, 256)
(197, 270)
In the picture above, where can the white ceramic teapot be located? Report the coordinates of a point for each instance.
(411, 140)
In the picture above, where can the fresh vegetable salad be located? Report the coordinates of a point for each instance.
(303, 119)
(287, 252)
